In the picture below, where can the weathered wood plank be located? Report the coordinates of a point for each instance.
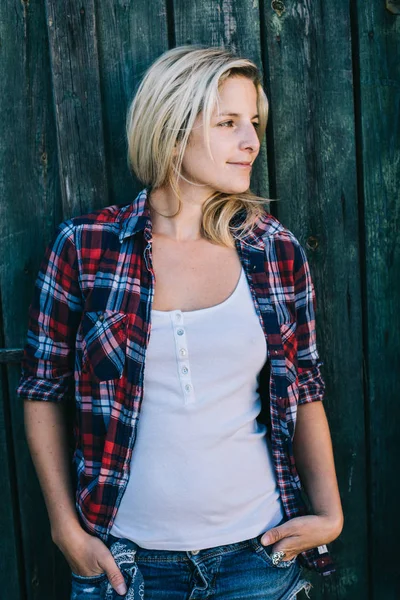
(72, 35)
(235, 25)
(33, 142)
(58, 165)
(131, 36)
(11, 355)
(378, 103)
(11, 560)
(30, 207)
(308, 52)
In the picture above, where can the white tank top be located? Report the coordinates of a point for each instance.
(201, 473)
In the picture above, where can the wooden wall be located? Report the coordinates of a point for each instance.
(331, 157)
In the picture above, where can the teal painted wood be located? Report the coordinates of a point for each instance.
(71, 28)
(308, 51)
(29, 208)
(10, 567)
(64, 173)
(69, 75)
(378, 104)
(131, 35)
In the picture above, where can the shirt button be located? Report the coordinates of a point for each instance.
(185, 370)
(182, 352)
(101, 318)
(195, 552)
(178, 316)
(188, 387)
(180, 332)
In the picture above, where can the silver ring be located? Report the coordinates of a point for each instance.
(277, 557)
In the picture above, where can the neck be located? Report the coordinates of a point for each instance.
(186, 226)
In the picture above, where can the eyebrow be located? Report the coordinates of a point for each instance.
(234, 115)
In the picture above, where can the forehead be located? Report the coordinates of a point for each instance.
(234, 93)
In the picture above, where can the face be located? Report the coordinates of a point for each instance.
(233, 141)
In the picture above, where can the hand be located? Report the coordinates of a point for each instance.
(88, 555)
(301, 533)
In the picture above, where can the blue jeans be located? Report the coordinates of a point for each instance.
(240, 571)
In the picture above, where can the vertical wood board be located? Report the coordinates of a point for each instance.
(379, 114)
(308, 52)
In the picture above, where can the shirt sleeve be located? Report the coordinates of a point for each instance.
(53, 318)
(310, 380)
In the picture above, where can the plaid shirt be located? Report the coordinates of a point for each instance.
(89, 326)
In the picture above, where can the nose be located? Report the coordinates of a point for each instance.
(249, 139)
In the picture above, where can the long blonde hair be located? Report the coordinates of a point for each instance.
(180, 84)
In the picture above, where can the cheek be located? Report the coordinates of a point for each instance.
(197, 160)
(198, 163)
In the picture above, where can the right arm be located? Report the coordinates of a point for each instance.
(47, 440)
(45, 384)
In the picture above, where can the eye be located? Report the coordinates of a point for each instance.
(225, 123)
(256, 125)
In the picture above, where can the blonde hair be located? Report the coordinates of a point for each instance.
(180, 84)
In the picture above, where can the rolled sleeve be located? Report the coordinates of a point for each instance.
(310, 380)
(53, 318)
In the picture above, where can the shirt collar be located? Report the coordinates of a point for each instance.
(136, 217)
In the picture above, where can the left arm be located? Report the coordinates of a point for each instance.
(312, 447)
(313, 453)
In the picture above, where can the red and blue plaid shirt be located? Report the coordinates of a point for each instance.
(89, 326)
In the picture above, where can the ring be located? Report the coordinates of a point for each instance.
(277, 557)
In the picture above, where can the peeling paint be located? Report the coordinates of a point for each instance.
(67, 188)
(303, 12)
(230, 24)
(353, 455)
(276, 24)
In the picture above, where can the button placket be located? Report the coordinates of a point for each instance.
(182, 357)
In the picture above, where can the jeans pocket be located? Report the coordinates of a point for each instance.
(88, 588)
(261, 551)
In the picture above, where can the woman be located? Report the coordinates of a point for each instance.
(162, 317)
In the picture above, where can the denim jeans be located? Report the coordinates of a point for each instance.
(240, 571)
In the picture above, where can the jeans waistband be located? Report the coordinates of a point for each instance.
(182, 555)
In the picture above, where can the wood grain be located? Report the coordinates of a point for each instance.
(378, 130)
(309, 54)
(331, 159)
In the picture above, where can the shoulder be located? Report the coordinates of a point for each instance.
(273, 234)
(108, 217)
(104, 220)
(282, 248)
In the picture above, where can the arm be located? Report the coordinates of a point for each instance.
(312, 447)
(315, 464)
(47, 439)
(45, 385)
(313, 453)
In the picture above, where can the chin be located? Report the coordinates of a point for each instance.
(237, 189)
(234, 187)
